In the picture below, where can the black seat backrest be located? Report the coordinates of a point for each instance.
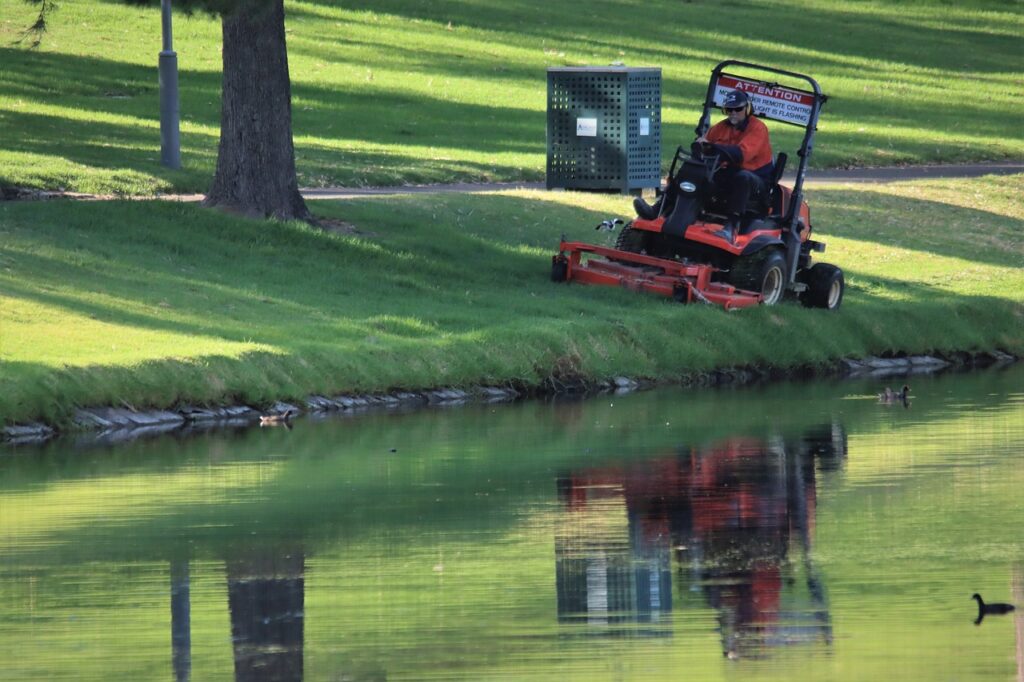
(780, 168)
(774, 194)
(682, 208)
(689, 171)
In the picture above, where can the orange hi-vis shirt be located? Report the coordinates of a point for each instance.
(749, 141)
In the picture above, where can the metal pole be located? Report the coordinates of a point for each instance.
(170, 141)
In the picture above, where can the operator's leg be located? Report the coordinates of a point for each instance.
(744, 187)
(739, 188)
(645, 210)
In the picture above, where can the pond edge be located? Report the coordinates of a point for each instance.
(107, 425)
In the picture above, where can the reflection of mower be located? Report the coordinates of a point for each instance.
(672, 249)
(732, 521)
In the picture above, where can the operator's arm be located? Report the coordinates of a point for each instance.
(754, 147)
(718, 139)
(751, 150)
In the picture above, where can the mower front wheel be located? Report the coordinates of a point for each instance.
(633, 240)
(825, 287)
(763, 272)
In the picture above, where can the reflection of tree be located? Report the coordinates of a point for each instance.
(181, 624)
(265, 596)
(734, 512)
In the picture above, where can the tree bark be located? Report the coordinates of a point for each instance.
(256, 157)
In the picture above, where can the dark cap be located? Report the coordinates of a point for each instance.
(734, 99)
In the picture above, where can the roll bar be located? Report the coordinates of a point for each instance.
(792, 215)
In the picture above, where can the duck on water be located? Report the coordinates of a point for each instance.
(283, 419)
(995, 609)
(891, 396)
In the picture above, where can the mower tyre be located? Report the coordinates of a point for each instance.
(825, 286)
(632, 240)
(559, 269)
(763, 272)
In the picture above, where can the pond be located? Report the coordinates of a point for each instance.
(770, 532)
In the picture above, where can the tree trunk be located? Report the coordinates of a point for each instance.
(256, 158)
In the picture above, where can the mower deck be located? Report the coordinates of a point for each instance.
(685, 282)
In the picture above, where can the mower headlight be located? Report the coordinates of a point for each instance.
(687, 186)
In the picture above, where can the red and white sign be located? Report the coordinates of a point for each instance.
(777, 103)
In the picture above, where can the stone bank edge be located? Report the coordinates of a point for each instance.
(115, 424)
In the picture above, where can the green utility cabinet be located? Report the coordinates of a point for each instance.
(604, 128)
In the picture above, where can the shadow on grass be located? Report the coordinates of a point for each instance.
(920, 225)
(119, 146)
(189, 257)
(436, 245)
(388, 121)
(873, 46)
(101, 88)
(821, 32)
(884, 49)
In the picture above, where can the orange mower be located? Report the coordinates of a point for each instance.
(672, 249)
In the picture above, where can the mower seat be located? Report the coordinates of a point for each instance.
(774, 199)
(770, 203)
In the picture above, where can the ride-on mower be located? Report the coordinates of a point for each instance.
(672, 248)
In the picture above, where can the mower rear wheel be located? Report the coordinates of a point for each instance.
(763, 272)
(825, 287)
(632, 240)
(559, 269)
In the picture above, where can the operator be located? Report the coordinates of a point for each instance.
(742, 140)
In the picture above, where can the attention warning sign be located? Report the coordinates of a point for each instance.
(774, 102)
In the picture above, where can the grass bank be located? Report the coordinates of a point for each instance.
(155, 304)
(398, 91)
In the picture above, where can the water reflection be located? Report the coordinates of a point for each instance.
(420, 546)
(266, 591)
(181, 621)
(266, 595)
(737, 515)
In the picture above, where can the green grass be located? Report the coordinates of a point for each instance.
(394, 91)
(155, 303)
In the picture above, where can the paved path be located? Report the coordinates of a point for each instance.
(813, 177)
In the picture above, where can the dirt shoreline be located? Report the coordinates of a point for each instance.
(108, 425)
